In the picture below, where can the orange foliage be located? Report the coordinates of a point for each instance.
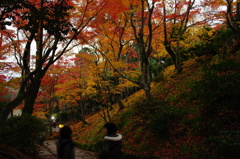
(137, 139)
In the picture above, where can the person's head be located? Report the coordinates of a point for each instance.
(110, 128)
(65, 132)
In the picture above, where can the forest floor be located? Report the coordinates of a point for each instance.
(48, 151)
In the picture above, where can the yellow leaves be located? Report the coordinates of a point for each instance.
(210, 33)
(40, 114)
(125, 84)
(87, 57)
(90, 91)
(160, 53)
(196, 34)
(169, 71)
(119, 64)
(90, 83)
(133, 73)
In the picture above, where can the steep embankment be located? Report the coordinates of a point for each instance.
(193, 114)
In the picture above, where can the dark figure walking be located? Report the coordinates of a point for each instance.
(65, 145)
(111, 148)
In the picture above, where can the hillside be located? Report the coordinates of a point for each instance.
(194, 114)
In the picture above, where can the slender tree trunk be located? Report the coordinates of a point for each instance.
(108, 114)
(83, 111)
(166, 41)
(175, 57)
(104, 115)
(145, 81)
(178, 59)
(147, 91)
(120, 104)
(144, 46)
(50, 125)
(117, 96)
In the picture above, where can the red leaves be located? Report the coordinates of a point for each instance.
(133, 66)
(133, 54)
(171, 16)
(115, 7)
(195, 12)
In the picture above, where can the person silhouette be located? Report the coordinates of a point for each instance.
(65, 145)
(111, 148)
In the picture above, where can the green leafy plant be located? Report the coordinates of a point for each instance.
(24, 133)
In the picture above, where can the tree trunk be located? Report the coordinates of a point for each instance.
(120, 104)
(147, 91)
(83, 111)
(31, 97)
(31, 93)
(232, 22)
(117, 96)
(145, 81)
(171, 53)
(175, 57)
(178, 60)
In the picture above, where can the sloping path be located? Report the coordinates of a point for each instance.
(49, 152)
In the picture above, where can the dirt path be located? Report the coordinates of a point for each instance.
(49, 152)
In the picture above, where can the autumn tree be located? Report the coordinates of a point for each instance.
(46, 100)
(52, 26)
(177, 18)
(142, 25)
(113, 46)
(233, 20)
(72, 87)
(93, 84)
(227, 12)
(132, 28)
(47, 92)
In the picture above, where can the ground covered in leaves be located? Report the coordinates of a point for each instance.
(193, 114)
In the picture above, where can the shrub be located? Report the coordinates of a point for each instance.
(221, 42)
(24, 133)
(217, 96)
(219, 90)
(225, 144)
(7, 152)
